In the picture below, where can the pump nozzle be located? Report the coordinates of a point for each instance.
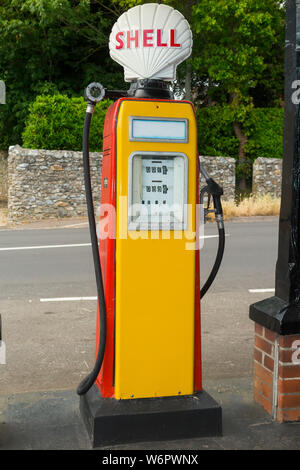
(94, 93)
(215, 191)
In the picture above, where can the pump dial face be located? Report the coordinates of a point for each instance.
(158, 191)
(158, 181)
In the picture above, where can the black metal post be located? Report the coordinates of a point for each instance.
(281, 313)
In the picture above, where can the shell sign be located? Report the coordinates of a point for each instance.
(149, 41)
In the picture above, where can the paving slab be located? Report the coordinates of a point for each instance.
(51, 420)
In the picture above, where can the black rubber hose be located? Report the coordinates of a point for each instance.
(88, 381)
(217, 263)
(221, 230)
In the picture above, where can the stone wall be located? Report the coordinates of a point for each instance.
(3, 175)
(48, 183)
(267, 176)
(222, 170)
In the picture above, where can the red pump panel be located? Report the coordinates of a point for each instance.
(105, 380)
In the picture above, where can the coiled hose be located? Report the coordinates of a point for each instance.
(88, 381)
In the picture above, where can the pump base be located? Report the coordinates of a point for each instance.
(109, 421)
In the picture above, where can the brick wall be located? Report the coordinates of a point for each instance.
(277, 374)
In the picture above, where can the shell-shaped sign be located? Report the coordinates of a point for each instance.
(149, 41)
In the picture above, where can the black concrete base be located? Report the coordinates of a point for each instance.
(111, 421)
(276, 315)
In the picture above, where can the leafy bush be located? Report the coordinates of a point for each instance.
(12, 118)
(262, 126)
(264, 129)
(56, 123)
(215, 132)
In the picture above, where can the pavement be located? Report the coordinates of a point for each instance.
(50, 338)
(51, 421)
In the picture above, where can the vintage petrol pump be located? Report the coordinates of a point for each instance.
(146, 383)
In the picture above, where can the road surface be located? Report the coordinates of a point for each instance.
(50, 344)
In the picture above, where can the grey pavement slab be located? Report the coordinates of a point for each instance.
(51, 420)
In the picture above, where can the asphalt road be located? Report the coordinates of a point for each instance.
(50, 345)
(53, 270)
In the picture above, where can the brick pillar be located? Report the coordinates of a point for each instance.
(277, 373)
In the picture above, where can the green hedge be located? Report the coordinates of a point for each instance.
(215, 132)
(56, 123)
(263, 127)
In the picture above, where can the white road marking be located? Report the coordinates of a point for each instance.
(43, 247)
(256, 291)
(208, 236)
(213, 236)
(75, 225)
(74, 245)
(67, 299)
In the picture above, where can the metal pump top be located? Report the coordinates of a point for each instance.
(150, 88)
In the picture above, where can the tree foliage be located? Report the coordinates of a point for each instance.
(262, 126)
(50, 46)
(238, 38)
(56, 47)
(240, 41)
